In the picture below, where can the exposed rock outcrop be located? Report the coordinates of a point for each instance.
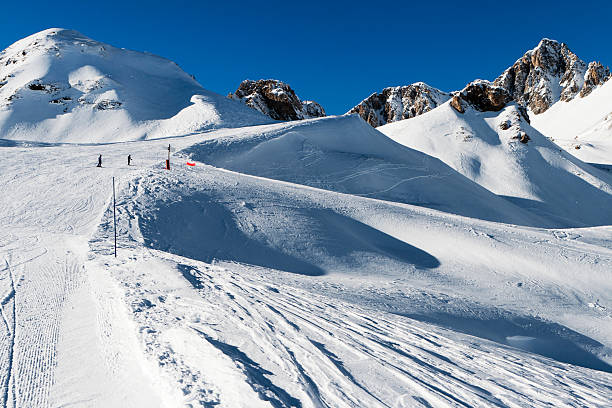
(276, 99)
(484, 96)
(456, 103)
(399, 102)
(596, 75)
(549, 73)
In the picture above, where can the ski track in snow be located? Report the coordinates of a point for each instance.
(337, 352)
(156, 328)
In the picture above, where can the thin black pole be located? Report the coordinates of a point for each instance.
(114, 217)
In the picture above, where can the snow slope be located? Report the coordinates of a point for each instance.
(585, 123)
(58, 85)
(307, 264)
(347, 155)
(537, 175)
(235, 290)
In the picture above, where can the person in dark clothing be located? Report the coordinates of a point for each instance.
(99, 161)
(129, 159)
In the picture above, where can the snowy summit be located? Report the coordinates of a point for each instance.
(166, 246)
(60, 86)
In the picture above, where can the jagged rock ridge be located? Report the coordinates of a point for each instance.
(549, 73)
(276, 99)
(399, 102)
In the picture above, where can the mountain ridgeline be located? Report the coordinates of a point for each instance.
(276, 99)
(547, 74)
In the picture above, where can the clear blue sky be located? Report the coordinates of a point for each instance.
(336, 53)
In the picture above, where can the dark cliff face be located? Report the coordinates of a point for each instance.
(485, 97)
(276, 99)
(549, 73)
(400, 102)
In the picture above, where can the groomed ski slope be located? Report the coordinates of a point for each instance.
(238, 290)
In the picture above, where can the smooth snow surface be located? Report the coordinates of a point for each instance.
(583, 126)
(347, 155)
(538, 175)
(235, 290)
(60, 86)
(316, 263)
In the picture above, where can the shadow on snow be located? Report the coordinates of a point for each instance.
(202, 229)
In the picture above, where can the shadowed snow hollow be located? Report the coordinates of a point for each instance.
(60, 86)
(347, 155)
(503, 153)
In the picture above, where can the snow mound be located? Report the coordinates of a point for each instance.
(503, 153)
(347, 155)
(583, 125)
(60, 86)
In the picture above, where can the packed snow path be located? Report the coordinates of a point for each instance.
(156, 328)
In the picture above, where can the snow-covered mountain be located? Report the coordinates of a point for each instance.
(543, 76)
(276, 99)
(583, 126)
(58, 85)
(494, 145)
(550, 73)
(346, 155)
(312, 263)
(399, 102)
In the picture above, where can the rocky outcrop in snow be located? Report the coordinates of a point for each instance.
(482, 95)
(549, 73)
(596, 75)
(276, 99)
(399, 102)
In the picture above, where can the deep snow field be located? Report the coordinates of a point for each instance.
(240, 287)
(434, 262)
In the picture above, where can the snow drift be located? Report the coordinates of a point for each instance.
(503, 153)
(60, 86)
(347, 155)
(583, 126)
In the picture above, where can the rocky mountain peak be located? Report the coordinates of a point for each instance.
(549, 73)
(595, 75)
(276, 99)
(399, 102)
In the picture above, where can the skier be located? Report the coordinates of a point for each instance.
(129, 159)
(99, 161)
